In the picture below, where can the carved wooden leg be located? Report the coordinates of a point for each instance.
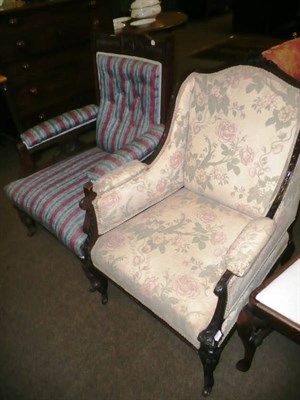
(209, 358)
(28, 222)
(252, 331)
(98, 281)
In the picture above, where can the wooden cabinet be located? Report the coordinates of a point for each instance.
(45, 54)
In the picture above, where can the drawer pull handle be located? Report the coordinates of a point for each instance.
(20, 43)
(13, 21)
(33, 90)
(26, 66)
(41, 116)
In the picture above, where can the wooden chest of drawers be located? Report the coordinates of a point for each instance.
(46, 54)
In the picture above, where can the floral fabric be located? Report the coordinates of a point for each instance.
(156, 257)
(241, 133)
(170, 232)
(248, 245)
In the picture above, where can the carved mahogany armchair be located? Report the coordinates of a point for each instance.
(134, 81)
(193, 233)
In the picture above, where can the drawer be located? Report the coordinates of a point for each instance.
(47, 93)
(43, 30)
(45, 98)
(61, 105)
(50, 67)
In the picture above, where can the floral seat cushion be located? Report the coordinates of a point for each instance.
(177, 288)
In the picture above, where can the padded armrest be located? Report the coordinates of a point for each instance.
(129, 190)
(138, 149)
(60, 125)
(245, 249)
(119, 176)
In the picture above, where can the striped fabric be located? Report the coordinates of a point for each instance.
(59, 125)
(128, 128)
(130, 90)
(138, 149)
(52, 195)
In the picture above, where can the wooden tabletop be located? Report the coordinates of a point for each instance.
(163, 21)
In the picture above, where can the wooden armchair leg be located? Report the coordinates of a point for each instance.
(27, 221)
(252, 331)
(210, 359)
(98, 281)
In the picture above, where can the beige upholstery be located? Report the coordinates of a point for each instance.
(170, 230)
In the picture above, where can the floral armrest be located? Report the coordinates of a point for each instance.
(59, 125)
(129, 190)
(245, 249)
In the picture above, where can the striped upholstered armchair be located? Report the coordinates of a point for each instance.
(134, 76)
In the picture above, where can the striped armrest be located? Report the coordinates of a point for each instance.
(138, 149)
(59, 125)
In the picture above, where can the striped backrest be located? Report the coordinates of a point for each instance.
(130, 95)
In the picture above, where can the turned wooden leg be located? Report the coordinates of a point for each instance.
(98, 281)
(209, 358)
(252, 331)
(28, 222)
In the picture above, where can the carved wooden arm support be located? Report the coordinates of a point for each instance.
(212, 334)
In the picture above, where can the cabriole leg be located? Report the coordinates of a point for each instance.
(252, 331)
(209, 358)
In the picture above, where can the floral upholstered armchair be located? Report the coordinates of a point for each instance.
(190, 235)
(134, 80)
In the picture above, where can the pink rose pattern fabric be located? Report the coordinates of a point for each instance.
(224, 158)
(155, 257)
(204, 198)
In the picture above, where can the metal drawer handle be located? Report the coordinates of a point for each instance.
(26, 66)
(20, 43)
(13, 21)
(33, 90)
(41, 116)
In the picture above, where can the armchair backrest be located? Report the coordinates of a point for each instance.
(242, 128)
(135, 82)
(130, 89)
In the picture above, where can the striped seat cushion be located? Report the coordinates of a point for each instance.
(130, 90)
(59, 125)
(52, 195)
